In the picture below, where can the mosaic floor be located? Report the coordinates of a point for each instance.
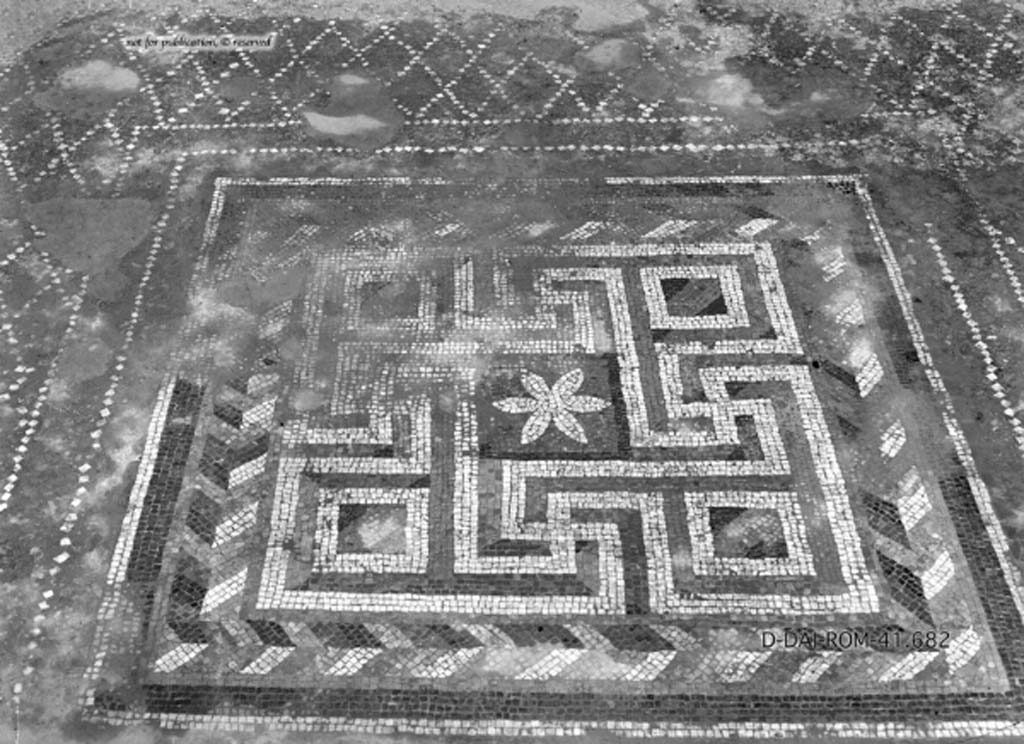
(476, 379)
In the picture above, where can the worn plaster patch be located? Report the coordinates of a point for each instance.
(259, 293)
(88, 90)
(1007, 114)
(222, 330)
(122, 444)
(347, 78)
(814, 93)
(356, 111)
(106, 162)
(308, 399)
(593, 15)
(90, 235)
(343, 126)
(732, 94)
(732, 91)
(820, 15)
(648, 84)
(83, 360)
(718, 45)
(99, 74)
(612, 54)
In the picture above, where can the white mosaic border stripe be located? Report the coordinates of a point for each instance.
(991, 370)
(85, 470)
(982, 497)
(117, 574)
(628, 729)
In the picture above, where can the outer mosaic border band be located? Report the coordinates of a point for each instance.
(852, 729)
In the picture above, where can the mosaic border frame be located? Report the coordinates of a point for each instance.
(1007, 604)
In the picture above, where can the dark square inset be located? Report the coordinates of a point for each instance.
(747, 533)
(388, 299)
(691, 297)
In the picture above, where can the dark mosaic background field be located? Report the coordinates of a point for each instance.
(924, 99)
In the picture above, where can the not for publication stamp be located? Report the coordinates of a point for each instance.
(203, 43)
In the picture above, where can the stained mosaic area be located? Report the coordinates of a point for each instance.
(485, 464)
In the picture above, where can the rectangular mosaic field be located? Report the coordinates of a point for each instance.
(659, 456)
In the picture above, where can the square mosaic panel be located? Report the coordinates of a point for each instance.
(547, 456)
